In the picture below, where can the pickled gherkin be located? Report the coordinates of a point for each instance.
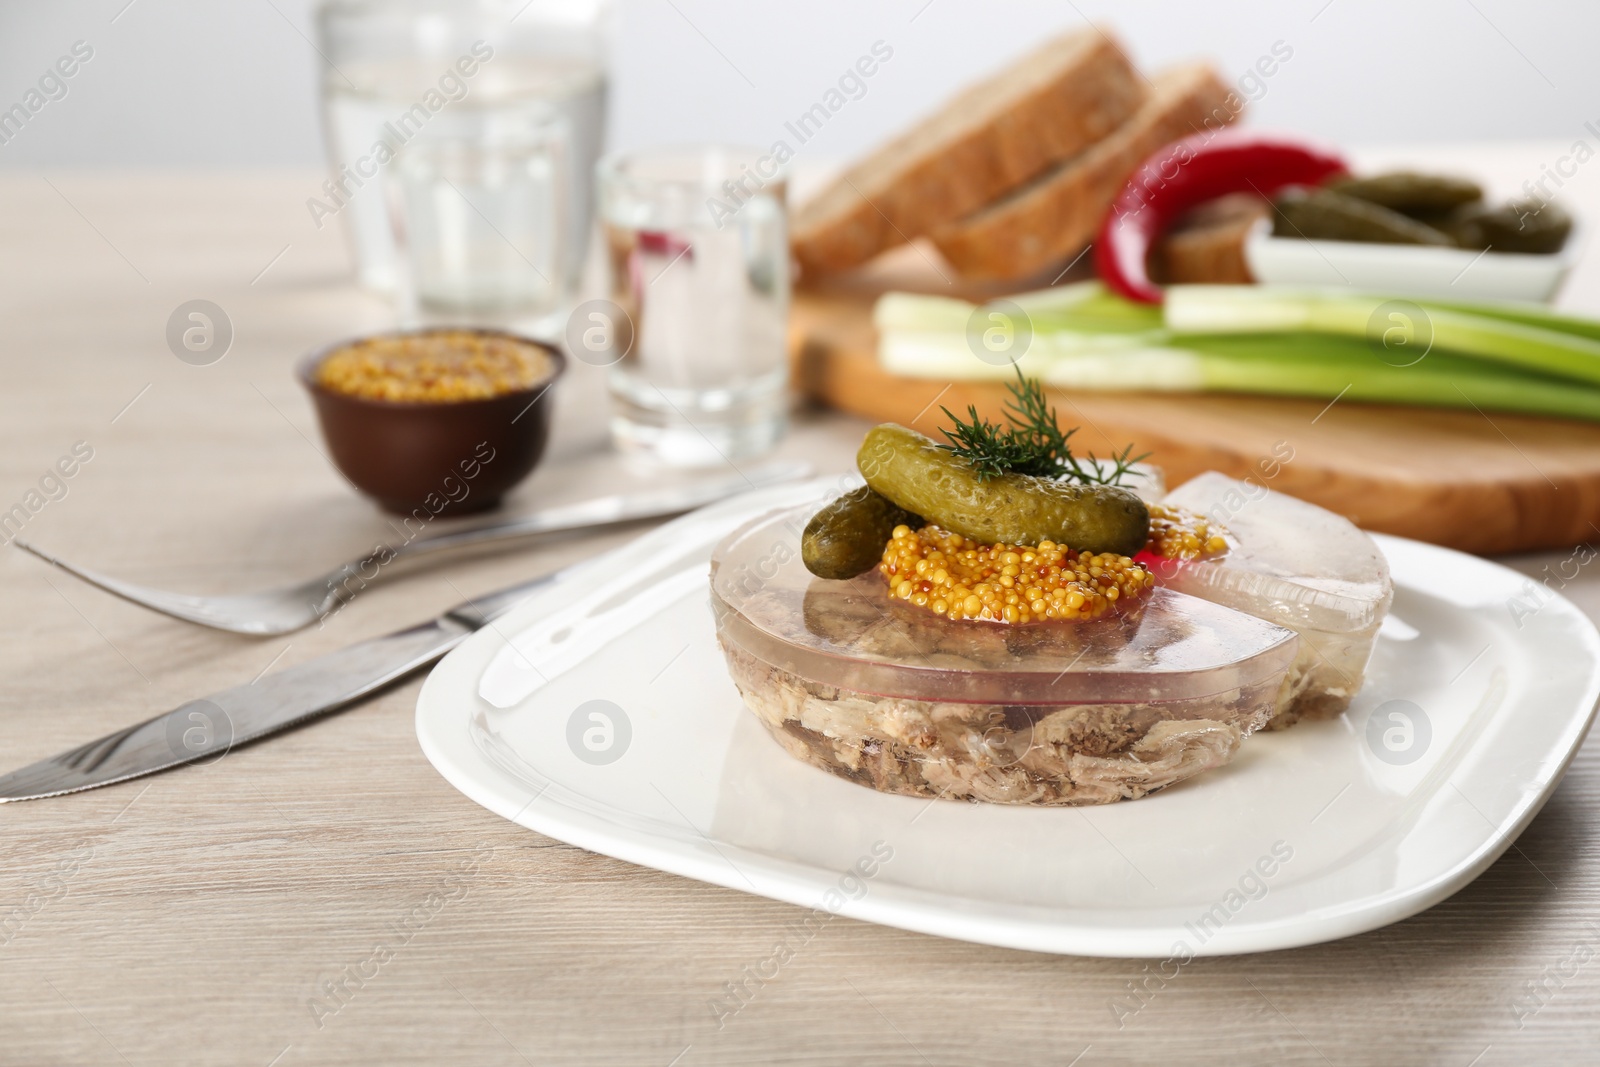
(1410, 193)
(919, 476)
(1524, 226)
(847, 537)
(1322, 214)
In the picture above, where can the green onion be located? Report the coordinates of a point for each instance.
(1290, 365)
(1319, 366)
(1270, 342)
(1235, 309)
(1529, 315)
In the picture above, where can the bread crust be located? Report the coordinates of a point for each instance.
(989, 139)
(1054, 217)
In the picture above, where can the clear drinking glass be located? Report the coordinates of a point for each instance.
(398, 70)
(698, 261)
(480, 214)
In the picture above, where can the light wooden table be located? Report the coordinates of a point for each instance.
(197, 917)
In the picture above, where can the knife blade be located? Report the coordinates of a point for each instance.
(206, 729)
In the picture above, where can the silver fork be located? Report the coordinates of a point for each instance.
(281, 611)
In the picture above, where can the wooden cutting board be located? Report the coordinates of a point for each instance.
(1483, 483)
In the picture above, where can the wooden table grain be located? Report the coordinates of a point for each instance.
(326, 898)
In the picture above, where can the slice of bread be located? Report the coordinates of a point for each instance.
(1052, 218)
(992, 137)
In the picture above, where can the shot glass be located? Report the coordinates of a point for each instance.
(697, 270)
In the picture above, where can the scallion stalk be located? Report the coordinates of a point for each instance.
(1254, 309)
(1089, 342)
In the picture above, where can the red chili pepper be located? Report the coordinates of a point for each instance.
(1187, 173)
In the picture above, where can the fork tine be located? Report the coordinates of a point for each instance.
(41, 553)
(256, 614)
(284, 610)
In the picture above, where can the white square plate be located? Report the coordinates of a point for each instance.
(608, 721)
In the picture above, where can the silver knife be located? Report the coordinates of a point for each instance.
(205, 729)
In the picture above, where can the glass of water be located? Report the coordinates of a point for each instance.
(697, 267)
(479, 214)
(402, 71)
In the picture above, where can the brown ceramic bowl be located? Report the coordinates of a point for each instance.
(437, 457)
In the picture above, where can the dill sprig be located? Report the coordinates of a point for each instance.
(1033, 443)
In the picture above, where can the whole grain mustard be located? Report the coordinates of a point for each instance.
(1182, 535)
(442, 365)
(958, 578)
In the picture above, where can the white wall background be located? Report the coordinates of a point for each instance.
(230, 83)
